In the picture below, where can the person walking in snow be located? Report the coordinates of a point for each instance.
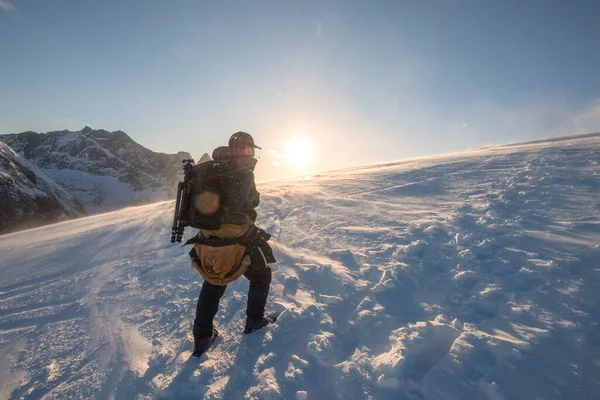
(236, 246)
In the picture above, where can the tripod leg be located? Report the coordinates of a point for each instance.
(176, 214)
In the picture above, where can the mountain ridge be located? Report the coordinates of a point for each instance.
(29, 198)
(103, 170)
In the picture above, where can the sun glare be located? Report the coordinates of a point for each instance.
(299, 152)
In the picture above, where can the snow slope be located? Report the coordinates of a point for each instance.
(465, 276)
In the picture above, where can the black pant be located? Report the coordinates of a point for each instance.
(259, 275)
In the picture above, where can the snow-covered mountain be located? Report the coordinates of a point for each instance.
(103, 170)
(463, 276)
(28, 197)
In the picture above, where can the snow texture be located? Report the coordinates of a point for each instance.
(465, 276)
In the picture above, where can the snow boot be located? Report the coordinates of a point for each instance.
(252, 325)
(201, 345)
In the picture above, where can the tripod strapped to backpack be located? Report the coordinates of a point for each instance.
(180, 217)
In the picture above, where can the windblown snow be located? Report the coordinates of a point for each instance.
(465, 276)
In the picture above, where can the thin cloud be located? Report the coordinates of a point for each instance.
(535, 119)
(6, 5)
(588, 120)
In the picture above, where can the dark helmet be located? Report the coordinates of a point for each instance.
(242, 139)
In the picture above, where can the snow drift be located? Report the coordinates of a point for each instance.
(464, 276)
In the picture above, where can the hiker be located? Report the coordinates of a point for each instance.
(237, 247)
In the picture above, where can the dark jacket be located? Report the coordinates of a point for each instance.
(239, 196)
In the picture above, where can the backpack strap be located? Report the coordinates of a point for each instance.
(215, 241)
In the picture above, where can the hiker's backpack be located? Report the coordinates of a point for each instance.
(205, 194)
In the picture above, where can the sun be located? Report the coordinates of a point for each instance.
(299, 152)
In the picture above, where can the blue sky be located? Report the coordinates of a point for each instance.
(363, 81)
